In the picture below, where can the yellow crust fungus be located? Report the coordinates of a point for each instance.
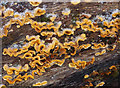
(2, 86)
(8, 12)
(58, 62)
(29, 76)
(47, 34)
(7, 77)
(84, 46)
(16, 69)
(34, 63)
(86, 76)
(75, 2)
(2, 8)
(82, 37)
(17, 15)
(93, 60)
(67, 31)
(13, 81)
(100, 84)
(66, 11)
(62, 51)
(41, 49)
(100, 53)
(85, 15)
(29, 14)
(115, 14)
(80, 64)
(40, 83)
(35, 2)
(100, 18)
(39, 11)
(26, 56)
(113, 66)
(109, 49)
(99, 45)
(36, 71)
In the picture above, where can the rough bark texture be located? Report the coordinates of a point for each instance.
(64, 76)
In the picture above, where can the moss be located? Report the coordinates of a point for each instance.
(111, 40)
(41, 19)
(44, 19)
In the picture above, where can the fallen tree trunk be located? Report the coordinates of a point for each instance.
(65, 76)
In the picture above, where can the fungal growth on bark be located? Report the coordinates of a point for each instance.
(47, 45)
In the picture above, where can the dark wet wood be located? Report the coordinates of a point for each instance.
(63, 76)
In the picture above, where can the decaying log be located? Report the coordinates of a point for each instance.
(64, 76)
